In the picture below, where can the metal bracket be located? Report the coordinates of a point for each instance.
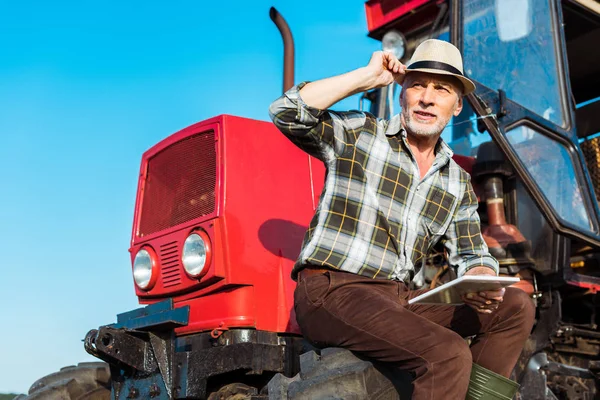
(501, 104)
(120, 347)
(164, 349)
(158, 315)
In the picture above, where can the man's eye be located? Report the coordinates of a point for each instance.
(443, 89)
(417, 84)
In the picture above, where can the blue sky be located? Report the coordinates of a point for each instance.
(85, 89)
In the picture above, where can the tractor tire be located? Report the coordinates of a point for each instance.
(235, 391)
(338, 374)
(85, 381)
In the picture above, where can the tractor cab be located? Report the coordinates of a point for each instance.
(538, 85)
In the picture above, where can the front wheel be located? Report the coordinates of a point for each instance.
(338, 374)
(85, 381)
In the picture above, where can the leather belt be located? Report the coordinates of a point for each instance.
(310, 271)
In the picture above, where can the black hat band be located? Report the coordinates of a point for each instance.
(435, 65)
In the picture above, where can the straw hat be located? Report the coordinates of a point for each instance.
(439, 57)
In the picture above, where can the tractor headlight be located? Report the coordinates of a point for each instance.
(196, 254)
(145, 269)
(394, 42)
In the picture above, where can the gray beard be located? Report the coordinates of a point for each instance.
(424, 131)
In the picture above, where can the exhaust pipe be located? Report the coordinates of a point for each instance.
(288, 48)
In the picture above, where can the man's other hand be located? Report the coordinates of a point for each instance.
(484, 302)
(385, 68)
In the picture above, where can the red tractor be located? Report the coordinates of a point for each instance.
(222, 207)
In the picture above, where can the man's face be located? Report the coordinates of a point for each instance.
(428, 102)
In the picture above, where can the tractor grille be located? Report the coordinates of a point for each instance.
(170, 265)
(180, 184)
(591, 152)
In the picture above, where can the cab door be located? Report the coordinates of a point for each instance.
(515, 52)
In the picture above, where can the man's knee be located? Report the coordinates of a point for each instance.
(453, 352)
(462, 353)
(519, 306)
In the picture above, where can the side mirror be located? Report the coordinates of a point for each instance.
(514, 20)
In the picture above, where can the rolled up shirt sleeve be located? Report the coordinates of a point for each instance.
(321, 133)
(463, 239)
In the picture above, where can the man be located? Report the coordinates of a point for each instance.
(392, 191)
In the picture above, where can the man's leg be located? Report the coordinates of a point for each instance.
(366, 316)
(500, 336)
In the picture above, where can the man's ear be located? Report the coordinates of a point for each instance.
(459, 107)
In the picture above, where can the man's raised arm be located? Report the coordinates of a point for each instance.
(300, 113)
(382, 70)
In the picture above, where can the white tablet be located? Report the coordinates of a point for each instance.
(451, 292)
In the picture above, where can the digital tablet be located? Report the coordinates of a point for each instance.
(451, 292)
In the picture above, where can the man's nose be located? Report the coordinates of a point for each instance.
(428, 96)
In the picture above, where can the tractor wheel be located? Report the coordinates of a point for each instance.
(338, 374)
(86, 381)
(235, 391)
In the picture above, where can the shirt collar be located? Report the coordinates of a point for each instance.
(394, 126)
(445, 148)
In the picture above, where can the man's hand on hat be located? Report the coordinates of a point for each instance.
(384, 68)
(484, 302)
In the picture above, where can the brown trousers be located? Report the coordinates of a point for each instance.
(371, 317)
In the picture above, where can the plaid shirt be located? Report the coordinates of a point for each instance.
(376, 217)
